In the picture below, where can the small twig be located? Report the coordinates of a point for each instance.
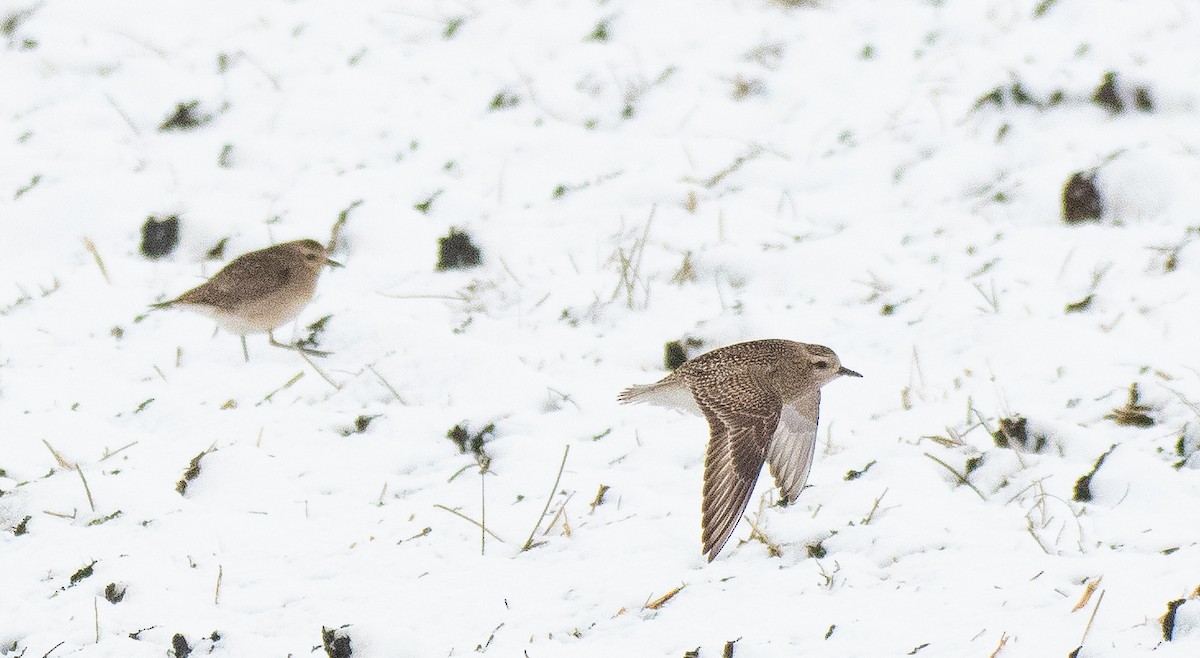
(217, 591)
(529, 542)
(91, 247)
(341, 221)
(128, 121)
(1086, 629)
(1087, 594)
(108, 454)
(86, 489)
(962, 479)
(874, 508)
(289, 383)
(467, 518)
(560, 513)
(53, 648)
(320, 372)
(387, 385)
(1003, 641)
(62, 463)
(599, 499)
(712, 181)
(482, 512)
(96, 613)
(662, 600)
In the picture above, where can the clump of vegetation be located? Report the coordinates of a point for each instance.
(473, 443)
(1081, 305)
(1081, 198)
(854, 475)
(314, 333)
(1083, 486)
(504, 100)
(677, 352)
(600, 32)
(336, 642)
(456, 251)
(452, 27)
(22, 527)
(179, 645)
(360, 425)
(192, 472)
(1106, 95)
(186, 117)
(1133, 413)
(114, 593)
(83, 572)
(160, 236)
(425, 206)
(1014, 433)
(218, 250)
(1168, 619)
(1142, 100)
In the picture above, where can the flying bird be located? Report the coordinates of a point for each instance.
(761, 399)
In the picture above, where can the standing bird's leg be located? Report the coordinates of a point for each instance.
(245, 352)
(297, 348)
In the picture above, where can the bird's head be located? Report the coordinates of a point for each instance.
(825, 365)
(313, 254)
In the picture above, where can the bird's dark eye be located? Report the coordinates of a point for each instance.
(822, 364)
(310, 257)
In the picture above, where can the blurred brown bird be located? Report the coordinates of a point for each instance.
(261, 290)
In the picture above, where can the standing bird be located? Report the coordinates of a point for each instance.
(261, 290)
(761, 400)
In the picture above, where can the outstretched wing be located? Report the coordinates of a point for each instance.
(790, 453)
(742, 415)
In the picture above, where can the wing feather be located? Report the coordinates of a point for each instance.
(790, 453)
(739, 437)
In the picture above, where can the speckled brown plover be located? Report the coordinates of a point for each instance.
(761, 400)
(259, 291)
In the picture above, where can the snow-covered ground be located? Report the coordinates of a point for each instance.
(885, 178)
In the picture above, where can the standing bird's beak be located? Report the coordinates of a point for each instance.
(848, 372)
(333, 263)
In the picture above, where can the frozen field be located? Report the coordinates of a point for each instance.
(1017, 474)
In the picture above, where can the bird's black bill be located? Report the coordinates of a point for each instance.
(333, 263)
(848, 372)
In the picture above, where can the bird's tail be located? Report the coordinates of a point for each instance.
(669, 392)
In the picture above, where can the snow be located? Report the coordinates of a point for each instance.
(829, 174)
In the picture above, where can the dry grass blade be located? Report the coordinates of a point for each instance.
(1088, 628)
(962, 479)
(1087, 594)
(336, 231)
(662, 600)
(529, 542)
(387, 385)
(599, 499)
(91, 247)
(286, 386)
(335, 385)
(468, 519)
(62, 462)
(999, 647)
